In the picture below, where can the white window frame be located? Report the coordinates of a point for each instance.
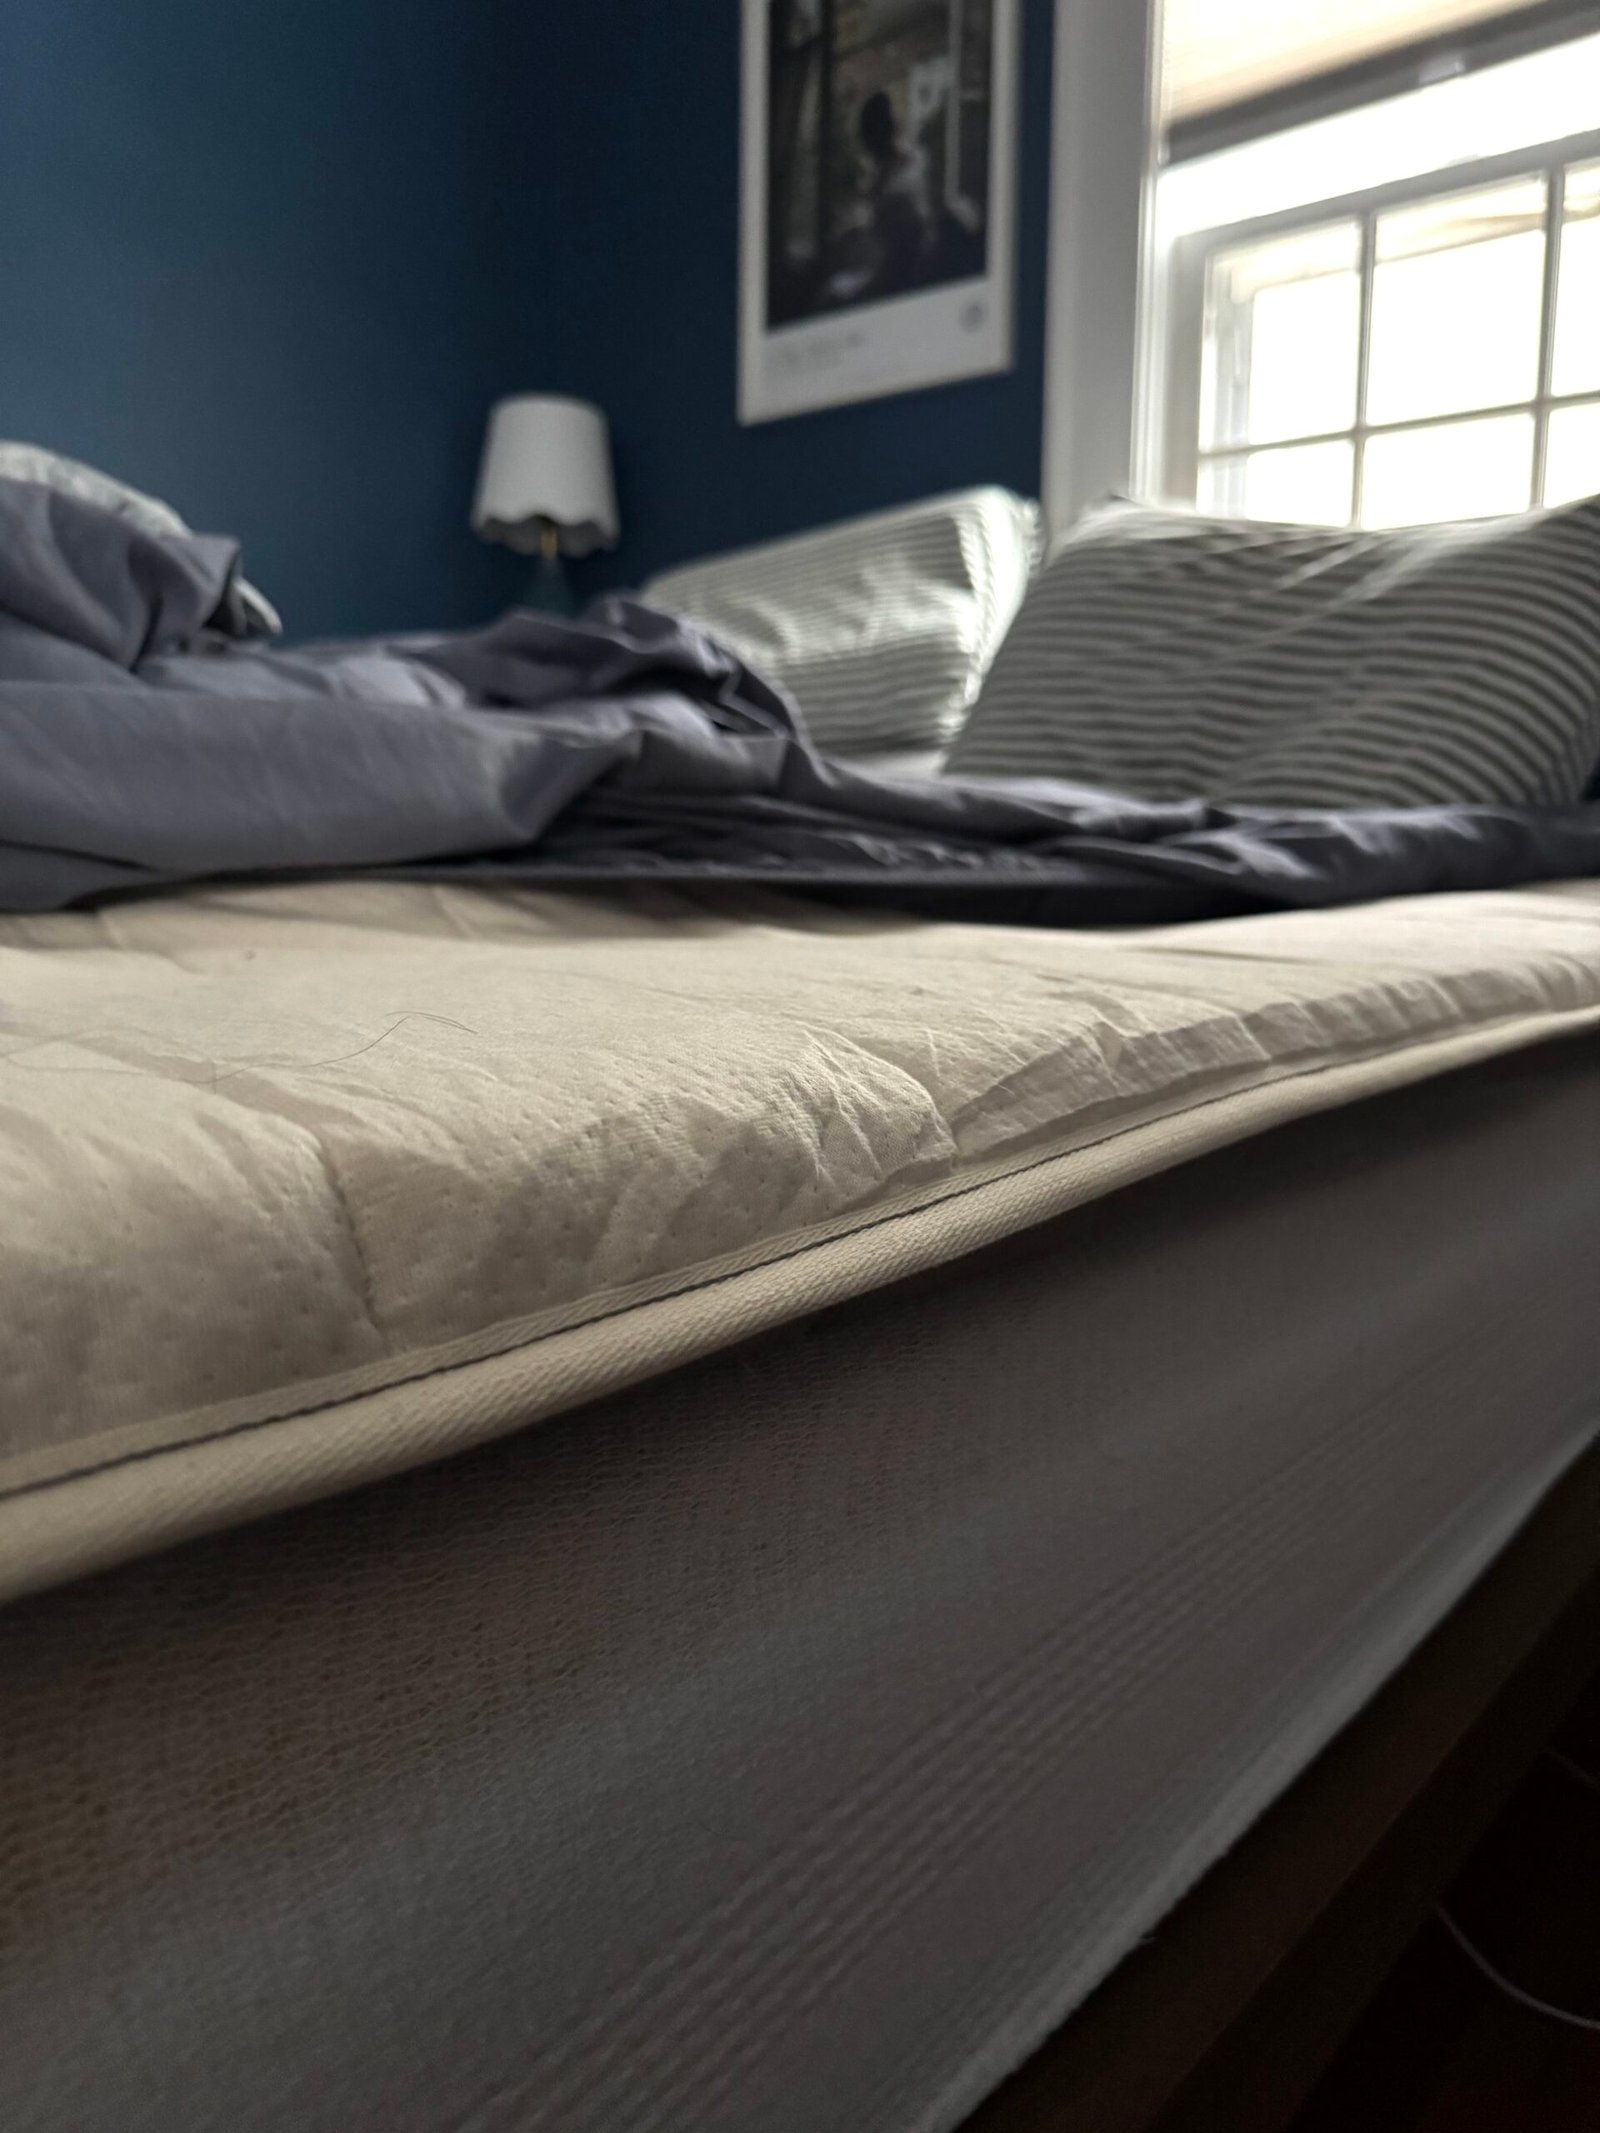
(1181, 455)
(1102, 168)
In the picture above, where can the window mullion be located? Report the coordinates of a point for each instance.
(1365, 264)
(1554, 218)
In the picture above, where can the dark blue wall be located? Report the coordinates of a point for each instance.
(629, 289)
(272, 260)
(252, 258)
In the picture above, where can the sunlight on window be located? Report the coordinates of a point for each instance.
(1545, 97)
(1216, 52)
(1577, 349)
(1415, 358)
(1455, 303)
(1454, 470)
(1300, 485)
(1284, 322)
(1572, 456)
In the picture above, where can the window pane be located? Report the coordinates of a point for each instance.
(1282, 322)
(1577, 348)
(1572, 454)
(1456, 470)
(1301, 485)
(1456, 295)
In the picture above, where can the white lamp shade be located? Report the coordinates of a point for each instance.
(546, 461)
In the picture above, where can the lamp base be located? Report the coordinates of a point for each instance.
(548, 591)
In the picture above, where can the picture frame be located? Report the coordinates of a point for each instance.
(877, 199)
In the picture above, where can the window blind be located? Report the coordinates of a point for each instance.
(1218, 54)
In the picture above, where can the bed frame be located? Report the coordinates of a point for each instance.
(1224, 2020)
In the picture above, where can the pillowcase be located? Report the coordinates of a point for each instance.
(881, 629)
(1169, 656)
(242, 612)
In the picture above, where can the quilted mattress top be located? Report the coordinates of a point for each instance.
(308, 1183)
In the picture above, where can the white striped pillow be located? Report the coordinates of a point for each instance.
(1170, 656)
(881, 628)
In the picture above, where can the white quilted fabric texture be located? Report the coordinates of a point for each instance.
(278, 1152)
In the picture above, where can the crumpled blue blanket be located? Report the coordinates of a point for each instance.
(143, 744)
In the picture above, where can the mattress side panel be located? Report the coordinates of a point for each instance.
(794, 1740)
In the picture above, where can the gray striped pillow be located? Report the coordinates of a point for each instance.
(1170, 656)
(881, 628)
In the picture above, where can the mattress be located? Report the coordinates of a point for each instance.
(309, 1184)
(789, 1742)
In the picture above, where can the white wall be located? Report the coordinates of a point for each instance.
(1102, 162)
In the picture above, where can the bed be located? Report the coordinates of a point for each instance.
(1003, 1402)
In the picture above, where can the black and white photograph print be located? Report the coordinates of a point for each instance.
(879, 150)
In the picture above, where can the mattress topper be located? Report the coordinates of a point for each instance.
(309, 1183)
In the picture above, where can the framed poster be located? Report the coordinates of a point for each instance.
(878, 198)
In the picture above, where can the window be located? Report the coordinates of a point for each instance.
(1427, 351)
(1375, 259)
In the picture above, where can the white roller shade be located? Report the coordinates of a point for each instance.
(1220, 52)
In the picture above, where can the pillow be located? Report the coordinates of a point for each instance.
(880, 629)
(244, 612)
(1169, 656)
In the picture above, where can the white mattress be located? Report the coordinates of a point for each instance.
(789, 1743)
(308, 1184)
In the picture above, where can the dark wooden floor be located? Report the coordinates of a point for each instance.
(1440, 2050)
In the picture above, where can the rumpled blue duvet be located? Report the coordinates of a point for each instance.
(144, 742)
